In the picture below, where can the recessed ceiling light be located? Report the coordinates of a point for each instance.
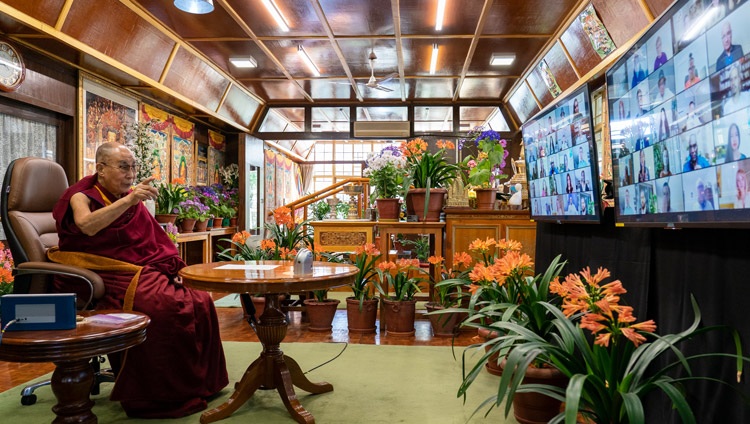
(502, 59)
(243, 62)
(197, 7)
(440, 15)
(276, 14)
(308, 61)
(433, 59)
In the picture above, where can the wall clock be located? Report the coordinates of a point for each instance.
(12, 68)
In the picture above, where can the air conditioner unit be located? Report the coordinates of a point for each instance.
(382, 129)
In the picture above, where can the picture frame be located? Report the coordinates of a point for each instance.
(105, 112)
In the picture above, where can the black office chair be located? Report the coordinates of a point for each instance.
(30, 189)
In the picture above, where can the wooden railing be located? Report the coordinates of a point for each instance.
(305, 201)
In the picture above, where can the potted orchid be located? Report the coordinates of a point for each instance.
(486, 169)
(386, 172)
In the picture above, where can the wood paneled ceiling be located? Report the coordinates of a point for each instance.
(170, 55)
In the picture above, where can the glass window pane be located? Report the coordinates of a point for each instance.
(284, 119)
(433, 118)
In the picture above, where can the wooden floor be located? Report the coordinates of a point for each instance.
(234, 328)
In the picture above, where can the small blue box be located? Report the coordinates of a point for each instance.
(50, 311)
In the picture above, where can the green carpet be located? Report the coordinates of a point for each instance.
(372, 384)
(233, 300)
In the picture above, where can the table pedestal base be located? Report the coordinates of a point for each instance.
(71, 383)
(272, 370)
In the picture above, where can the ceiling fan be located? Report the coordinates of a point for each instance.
(376, 83)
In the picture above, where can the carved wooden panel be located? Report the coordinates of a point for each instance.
(335, 238)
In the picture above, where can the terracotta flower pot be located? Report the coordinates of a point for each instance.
(434, 206)
(321, 314)
(361, 321)
(536, 408)
(388, 209)
(486, 198)
(200, 225)
(187, 225)
(217, 222)
(166, 218)
(398, 316)
(443, 325)
(493, 362)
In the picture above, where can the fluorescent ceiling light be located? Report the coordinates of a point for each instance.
(277, 16)
(198, 7)
(433, 60)
(502, 59)
(243, 62)
(310, 64)
(440, 15)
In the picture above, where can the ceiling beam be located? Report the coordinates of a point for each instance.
(336, 48)
(236, 17)
(473, 46)
(396, 10)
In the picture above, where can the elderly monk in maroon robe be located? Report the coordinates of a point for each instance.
(104, 226)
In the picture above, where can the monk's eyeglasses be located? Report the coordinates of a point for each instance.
(124, 167)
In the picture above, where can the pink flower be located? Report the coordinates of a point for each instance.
(472, 163)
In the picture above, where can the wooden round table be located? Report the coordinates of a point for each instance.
(71, 351)
(273, 369)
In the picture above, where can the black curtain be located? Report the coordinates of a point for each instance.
(661, 269)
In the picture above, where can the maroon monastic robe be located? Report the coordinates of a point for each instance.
(182, 360)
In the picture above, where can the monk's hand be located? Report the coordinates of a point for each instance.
(144, 191)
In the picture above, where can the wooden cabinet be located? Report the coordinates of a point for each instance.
(464, 225)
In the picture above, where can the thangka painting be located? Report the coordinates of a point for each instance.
(280, 180)
(160, 124)
(598, 35)
(216, 148)
(270, 182)
(549, 78)
(201, 172)
(183, 150)
(182, 159)
(106, 113)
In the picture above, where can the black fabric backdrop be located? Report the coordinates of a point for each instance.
(660, 269)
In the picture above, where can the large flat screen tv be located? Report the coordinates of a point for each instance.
(561, 162)
(678, 115)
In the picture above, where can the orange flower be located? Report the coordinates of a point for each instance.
(386, 266)
(462, 259)
(414, 148)
(593, 322)
(481, 273)
(594, 280)
(435, 260)
(6, 276)
(283, 216)
(403, 264)
(603, 339)
(445, 144)
(513, 261)
(509, 245)
(482, 246)
(368, 249)
(239, 238)
(473, 288)
(267, 244)
(633, 336)
(180, 181)
(645, 326)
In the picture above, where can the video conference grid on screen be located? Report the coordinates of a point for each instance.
(678, 105)
(560, 162)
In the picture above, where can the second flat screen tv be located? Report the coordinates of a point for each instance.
(561, 162)
(679, 119)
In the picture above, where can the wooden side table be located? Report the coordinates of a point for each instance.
(273, 369)
(71, 351)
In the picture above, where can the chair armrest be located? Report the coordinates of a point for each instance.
(95, 282)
